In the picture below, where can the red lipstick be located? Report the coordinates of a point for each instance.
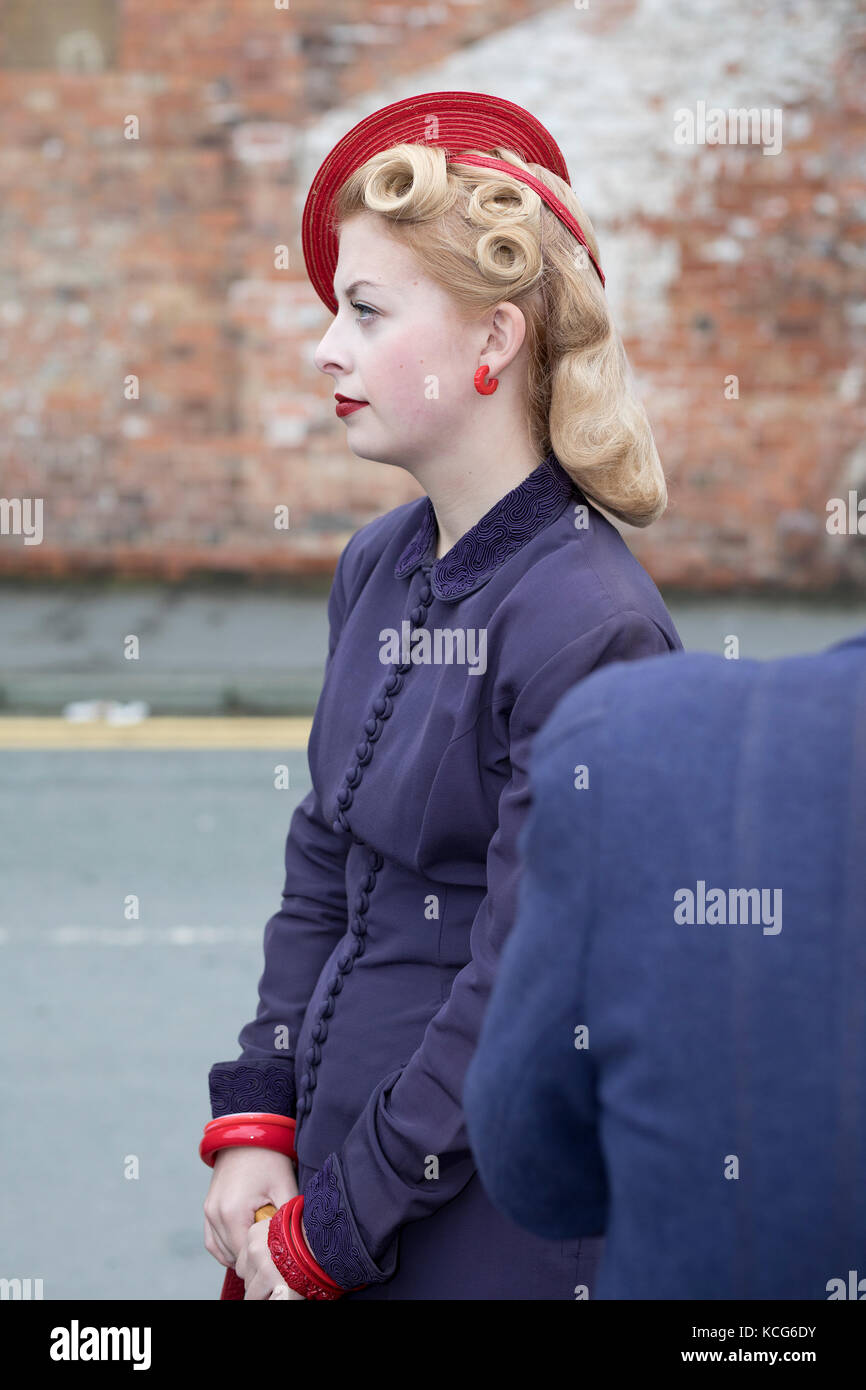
(345, 404)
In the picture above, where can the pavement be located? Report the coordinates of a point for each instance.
(227, 651)
(202, 651)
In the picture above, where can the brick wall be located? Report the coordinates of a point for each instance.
(153, 259)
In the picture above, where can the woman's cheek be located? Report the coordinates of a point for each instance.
(406, 385)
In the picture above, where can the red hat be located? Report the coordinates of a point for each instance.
(456, 121)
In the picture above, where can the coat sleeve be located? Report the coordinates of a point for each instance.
(408, 1152)
(297, 941)
(530, 1097)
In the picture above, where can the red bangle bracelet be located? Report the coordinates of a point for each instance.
(267, 1131)
(293, 1257)
(270, 1131)
(262, 1116)
(223, 1122)
(284, 1256)
(304, 1255)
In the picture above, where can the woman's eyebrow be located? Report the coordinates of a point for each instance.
(356, 285)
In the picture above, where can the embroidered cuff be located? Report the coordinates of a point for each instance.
(236, 1087)
(332, 1233)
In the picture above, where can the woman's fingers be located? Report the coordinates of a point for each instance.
(255, 1266)
(242, 1179)
(216, 1246)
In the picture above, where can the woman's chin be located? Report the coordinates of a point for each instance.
(363, 449)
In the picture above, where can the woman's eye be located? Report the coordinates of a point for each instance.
(355, 305)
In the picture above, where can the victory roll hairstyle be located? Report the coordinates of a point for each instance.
(485, 238)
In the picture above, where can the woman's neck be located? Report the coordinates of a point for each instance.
(459, 502)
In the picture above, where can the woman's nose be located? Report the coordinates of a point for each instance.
(328, 356)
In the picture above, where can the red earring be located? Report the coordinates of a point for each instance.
(485, 388)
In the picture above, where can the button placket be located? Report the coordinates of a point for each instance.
(381, 710)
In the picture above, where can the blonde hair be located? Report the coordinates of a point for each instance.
(486, 238)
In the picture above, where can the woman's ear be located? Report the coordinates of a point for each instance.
(506, 336)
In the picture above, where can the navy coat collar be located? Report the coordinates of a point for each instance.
(509, 524)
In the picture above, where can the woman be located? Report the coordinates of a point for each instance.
(473, 346)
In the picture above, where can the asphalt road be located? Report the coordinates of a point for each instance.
(109, 1026)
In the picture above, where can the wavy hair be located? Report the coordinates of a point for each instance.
(485, 238)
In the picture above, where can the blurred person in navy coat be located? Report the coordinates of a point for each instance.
(674, 1053)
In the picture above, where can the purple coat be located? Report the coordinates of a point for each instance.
(402, 868)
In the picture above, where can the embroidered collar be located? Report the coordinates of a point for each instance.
(508, 525)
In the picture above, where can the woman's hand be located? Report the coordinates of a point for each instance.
(262, 1279)
(244, 1178)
